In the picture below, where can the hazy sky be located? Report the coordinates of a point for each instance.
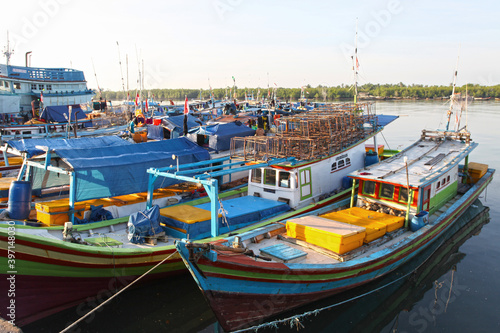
(191, 43)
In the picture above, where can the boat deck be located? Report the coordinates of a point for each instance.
(320, 255)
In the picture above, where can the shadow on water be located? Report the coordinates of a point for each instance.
(177, 305)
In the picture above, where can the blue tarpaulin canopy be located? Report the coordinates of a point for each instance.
(219, 135)
(56, 113)
(176, 123)
(35, 147)
(119, 170)
(384, 120)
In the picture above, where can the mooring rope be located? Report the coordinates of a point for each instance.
(119, 292)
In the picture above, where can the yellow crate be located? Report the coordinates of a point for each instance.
(374, 229)
(390, 221)
(476, 171)
(332, 235)
(56, 212)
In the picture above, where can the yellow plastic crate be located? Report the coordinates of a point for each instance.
(56, 212)
(332, 235)
(374, 229)
(476, 171)
(390, 221)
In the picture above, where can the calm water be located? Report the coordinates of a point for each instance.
(423, 303)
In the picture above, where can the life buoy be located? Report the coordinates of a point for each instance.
(141, 121)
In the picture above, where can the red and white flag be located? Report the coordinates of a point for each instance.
(137, 100)
(147, 105)
(186, 106)
(41, 96)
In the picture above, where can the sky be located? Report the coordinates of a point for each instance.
(201, 43)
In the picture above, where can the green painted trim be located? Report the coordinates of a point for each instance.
(442, 197)
(306, 169)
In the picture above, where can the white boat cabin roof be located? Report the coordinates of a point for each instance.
(428, 158)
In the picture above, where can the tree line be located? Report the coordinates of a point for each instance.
(319, 93)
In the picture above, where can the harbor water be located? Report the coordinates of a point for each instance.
(456, 290)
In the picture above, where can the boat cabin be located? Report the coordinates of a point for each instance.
(423, 177)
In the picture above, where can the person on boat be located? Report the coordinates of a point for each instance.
(132, 124)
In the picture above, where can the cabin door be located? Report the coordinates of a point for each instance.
(427, 198)
(305, 182)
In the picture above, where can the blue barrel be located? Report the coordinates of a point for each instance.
(19, 204)
(346, 182)
(371, 158)
(419, 220)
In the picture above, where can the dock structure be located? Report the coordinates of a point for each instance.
(309, 135)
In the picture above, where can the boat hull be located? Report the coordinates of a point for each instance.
(243, 291)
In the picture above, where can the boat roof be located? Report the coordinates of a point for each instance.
(42, 74)
(428, 158)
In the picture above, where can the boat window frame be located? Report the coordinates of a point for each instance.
(254, 177)
(374, 188)
(399, 194)
(265, 177)
(287, 182)
(381, 188)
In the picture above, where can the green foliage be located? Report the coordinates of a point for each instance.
(320, 93)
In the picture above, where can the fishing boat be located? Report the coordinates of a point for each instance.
(402, 206)
(99, 257)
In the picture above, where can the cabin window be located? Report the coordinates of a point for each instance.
(17, 85)
(341, 164)
(386, 191)
(49, 87)
(403, 194)
(368, 187)
(40, 86)
(33, 86)
(6, 84)
(448, 179)
(347, 161)
(334, 166)
(270, 177)
(284, 179)
(438, 185)
(256, 175)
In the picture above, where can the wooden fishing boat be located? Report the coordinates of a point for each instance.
(410, 202)
(100, 257)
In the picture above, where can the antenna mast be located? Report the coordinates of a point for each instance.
(120, 62)
(452, 98)
(8, 52)
(355, 64)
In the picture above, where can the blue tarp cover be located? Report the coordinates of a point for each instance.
(56, 113)
(383, 120)
(239, 212)
(155, 132)
(144, 223)
(177, 122)
(220, 134)
(118, 170)
(30, 145)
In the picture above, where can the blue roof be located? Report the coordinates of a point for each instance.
(35, 147)
(42, 74)
(118, 170)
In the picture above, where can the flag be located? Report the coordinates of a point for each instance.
(234, 79)
(128, 96)
(137, 100)
(357, 63)
(41, 96)
(186, 106)
(147, 105)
